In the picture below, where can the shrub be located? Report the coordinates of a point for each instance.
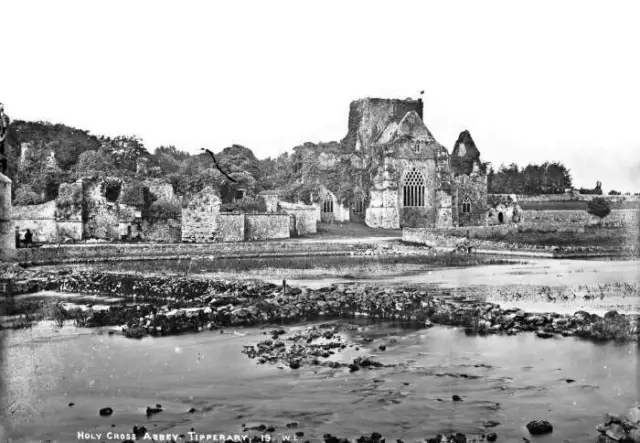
(137, 195)
(69, 198)
(599, 207)
(25, 195)
(166, 210)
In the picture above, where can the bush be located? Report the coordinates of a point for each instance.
(69, 196)
(166, 210)
(137, 196)
(599, 207)
(25, 195)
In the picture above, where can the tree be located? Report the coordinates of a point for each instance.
(614, 192)
(95, 163)
(599, 207)
(125, 150)
(26, 196)
(595, 191)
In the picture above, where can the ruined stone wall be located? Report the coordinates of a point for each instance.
(268, 202)
(550, 219)
(473, 186)
(386, 196)
(169, 231)
(417, 216)
(266, 226)
(370, 116)
(7, 233)
(40, 219)
(576, 197)
(341, 212)
(200, 224)
(162, 191)
(200, 217)
(444, 214)
(306, 220)
(230, 227)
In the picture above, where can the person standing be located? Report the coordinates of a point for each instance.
(17, 237)
(28, 238)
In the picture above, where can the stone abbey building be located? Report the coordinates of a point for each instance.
(393, 173)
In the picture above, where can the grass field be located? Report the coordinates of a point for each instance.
(612, 237)
(571, 205)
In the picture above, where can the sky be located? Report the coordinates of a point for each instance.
(532, 81)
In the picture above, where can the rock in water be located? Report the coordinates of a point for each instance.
(105, 412)
(539, 427)
(139, 432)
(153, 410)
(492, 436)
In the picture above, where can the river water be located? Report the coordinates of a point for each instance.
(510, 380)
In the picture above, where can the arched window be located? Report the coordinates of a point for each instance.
(358, 207)
(327, 203)
(413, 188)
(466, 205)
(416, 147)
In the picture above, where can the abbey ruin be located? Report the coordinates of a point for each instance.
(395, 174)
(388, 172)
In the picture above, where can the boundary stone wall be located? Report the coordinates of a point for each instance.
(266, 226)
(230, 227)
(306, 218)
(40, 219)
(7, 233)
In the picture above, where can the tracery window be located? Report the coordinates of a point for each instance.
(466, 205)
(358, 207)
(327, 203)
(413, 188)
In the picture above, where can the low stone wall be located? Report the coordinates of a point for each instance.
(385, 218)
(70, 230)
(166, 231)
(574, 197)
(148, 251)
(230, 227)
(266, 226)
(305, 217)
(548, 220)
(40, 219)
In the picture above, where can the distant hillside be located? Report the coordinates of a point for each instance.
(66, 142)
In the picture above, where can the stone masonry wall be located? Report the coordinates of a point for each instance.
(266, 226)
(474, 187)
(559, 219)
(40, 219)
(268, 202)
(444, 214)
(305, 216)
(230, 227)
(199, 224)
(7, 234)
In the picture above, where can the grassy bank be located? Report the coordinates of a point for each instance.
(370, 266)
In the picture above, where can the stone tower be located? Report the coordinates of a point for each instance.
(7, 236)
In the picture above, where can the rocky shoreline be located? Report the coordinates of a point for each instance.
(165, 305)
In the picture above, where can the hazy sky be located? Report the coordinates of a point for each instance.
(545, 80)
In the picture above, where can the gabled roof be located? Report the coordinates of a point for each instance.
(412, 126)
